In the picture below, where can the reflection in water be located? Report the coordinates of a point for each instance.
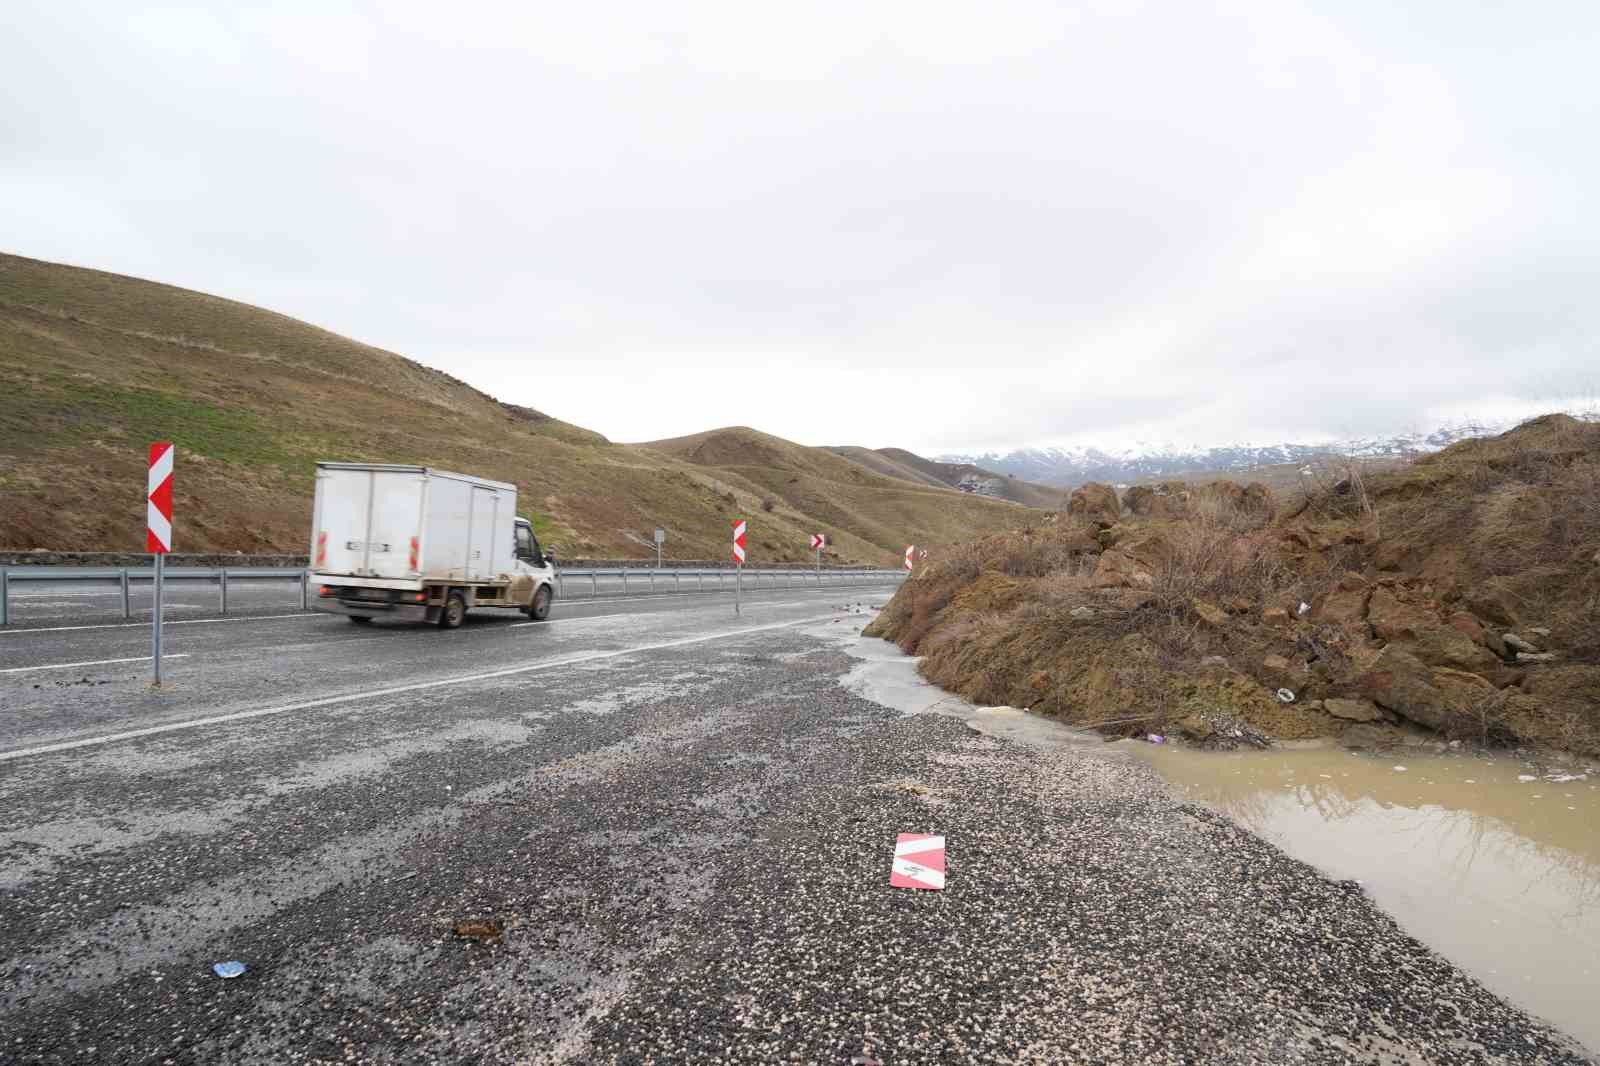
(1493, 865)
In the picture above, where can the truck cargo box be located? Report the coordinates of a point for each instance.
(412, 524)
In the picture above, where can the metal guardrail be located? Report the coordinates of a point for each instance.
(718, 578)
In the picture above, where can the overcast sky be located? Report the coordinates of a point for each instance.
(946, 226)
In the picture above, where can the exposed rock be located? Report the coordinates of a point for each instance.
(1393, 618)
(1116, 569)
(1275, 616)
(1537, 656)
(1353, 710)
(1343, 607)
(1539, 631)
(1239, 605)
(1210, 613)
(1275, 663)
(1399, 681)
(1195, 727)
(1082, 613)
(1367, 737)
(1467, 626)
(1492, 641)
(1492, 605)
(1170, 499)
(1350, 581)
(1518, 644)
(1215, 660)
(1095, 502)
(1258, 499)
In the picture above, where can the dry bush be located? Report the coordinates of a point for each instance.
(1209, 560)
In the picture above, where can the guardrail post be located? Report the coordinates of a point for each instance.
(305, 590)
(222, 585)
(677, 582)
(652, 582)
(624, 580)
(127, 604)
(594, 585)
(5, 595)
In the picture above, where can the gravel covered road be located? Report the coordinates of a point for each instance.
(672, 829)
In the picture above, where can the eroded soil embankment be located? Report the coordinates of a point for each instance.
(1459, 594)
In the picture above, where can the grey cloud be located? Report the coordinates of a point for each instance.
(947, 227)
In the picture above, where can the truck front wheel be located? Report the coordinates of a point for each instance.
(539, 609)
(454, 612)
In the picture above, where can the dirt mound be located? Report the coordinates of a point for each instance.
(1460, 594)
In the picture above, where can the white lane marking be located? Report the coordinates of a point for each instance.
(96, 662)
(146, 624)
(396, 690)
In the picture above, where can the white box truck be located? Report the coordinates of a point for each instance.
(421, 545)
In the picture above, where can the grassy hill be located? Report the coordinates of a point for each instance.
(908, 466)
(97, 365)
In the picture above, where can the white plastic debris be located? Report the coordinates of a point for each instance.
(1304, 607)
(1156, 738)
(230, 969)
(1285, 696)
(1526, 777)
(1402, 769)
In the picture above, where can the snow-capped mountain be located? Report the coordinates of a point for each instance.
(1068, 467)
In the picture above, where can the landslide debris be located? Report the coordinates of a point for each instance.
(1459, 594)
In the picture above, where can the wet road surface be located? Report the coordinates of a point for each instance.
(680, 822)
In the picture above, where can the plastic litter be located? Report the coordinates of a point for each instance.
(477, 929)
(1285, 696)
(1303, 608)
(1402, 769)
(1156, 738)
(230, 969)
(1526, 777)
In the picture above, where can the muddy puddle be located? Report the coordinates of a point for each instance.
(1491, 861)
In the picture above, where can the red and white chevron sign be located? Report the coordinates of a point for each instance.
(918, 861)
(817, 541)
(738, 541)
(911, 552)
(158, 499)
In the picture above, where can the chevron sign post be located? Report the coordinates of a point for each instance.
(158, 533)
(911, 554)
(817, 541)
(738, 561)
(918, 861)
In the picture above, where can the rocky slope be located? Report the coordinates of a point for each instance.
(1458, 594)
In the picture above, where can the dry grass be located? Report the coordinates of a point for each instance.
(99, 365)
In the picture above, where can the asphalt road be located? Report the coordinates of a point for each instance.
(680, 822)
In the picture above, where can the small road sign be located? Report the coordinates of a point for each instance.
(911, 554)
(661, 536)
(817, 541)
(918, 861)
(158, 499)
(738, 541)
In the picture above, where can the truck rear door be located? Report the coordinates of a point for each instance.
(367, 522)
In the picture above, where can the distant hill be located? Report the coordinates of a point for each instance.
(1070, 467)
(97, 365)
(837, 490)
(964, 477)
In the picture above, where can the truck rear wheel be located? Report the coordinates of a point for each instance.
(539, 609)
(454, 612)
